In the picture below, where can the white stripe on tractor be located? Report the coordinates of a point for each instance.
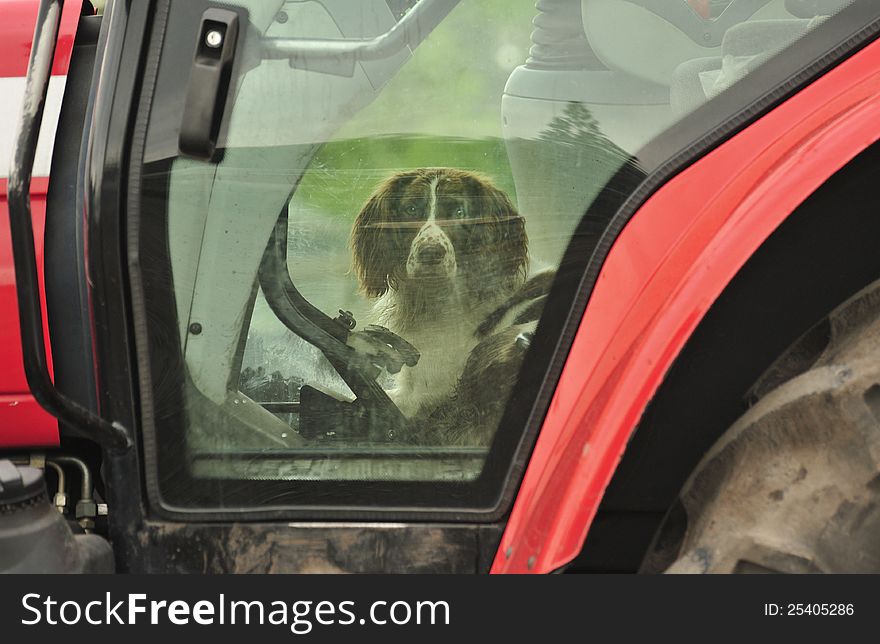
(12, 91)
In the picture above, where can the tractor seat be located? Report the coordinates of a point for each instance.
(745, 47)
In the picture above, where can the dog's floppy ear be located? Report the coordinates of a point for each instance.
(373, 257)
(503, 229)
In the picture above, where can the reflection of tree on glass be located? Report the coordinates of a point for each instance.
(577, 126)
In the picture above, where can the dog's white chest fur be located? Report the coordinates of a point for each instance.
(444, 350)
(444, 343)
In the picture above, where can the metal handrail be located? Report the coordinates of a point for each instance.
(27, 286)
(338, 56)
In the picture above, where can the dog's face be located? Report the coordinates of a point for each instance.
(435, 226)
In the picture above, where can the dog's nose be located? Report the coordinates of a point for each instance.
(431, 254)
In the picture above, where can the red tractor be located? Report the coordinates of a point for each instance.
(440, 286)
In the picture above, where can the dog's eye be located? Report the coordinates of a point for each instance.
(459, 212)
(411, 209)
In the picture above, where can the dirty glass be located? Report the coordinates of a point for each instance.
(359, 272)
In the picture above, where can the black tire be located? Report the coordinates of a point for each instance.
(793, 485)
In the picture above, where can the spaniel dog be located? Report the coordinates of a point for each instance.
(445, 254)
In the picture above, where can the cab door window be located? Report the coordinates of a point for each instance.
(348, 275)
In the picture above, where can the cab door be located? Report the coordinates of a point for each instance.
(287, 418)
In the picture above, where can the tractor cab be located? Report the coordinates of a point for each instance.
(255, 180)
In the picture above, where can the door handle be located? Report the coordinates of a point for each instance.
(208, 84)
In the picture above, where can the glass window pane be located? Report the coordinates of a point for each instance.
(349, 289)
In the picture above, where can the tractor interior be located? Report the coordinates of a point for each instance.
(285, 374)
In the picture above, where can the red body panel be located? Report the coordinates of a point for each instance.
(17, 32)
(669, 265)
(23, 423)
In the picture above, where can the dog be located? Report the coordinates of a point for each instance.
(444, 254)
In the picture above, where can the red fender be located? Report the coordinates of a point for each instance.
(670, 263)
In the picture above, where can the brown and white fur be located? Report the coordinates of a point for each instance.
(440, 249)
